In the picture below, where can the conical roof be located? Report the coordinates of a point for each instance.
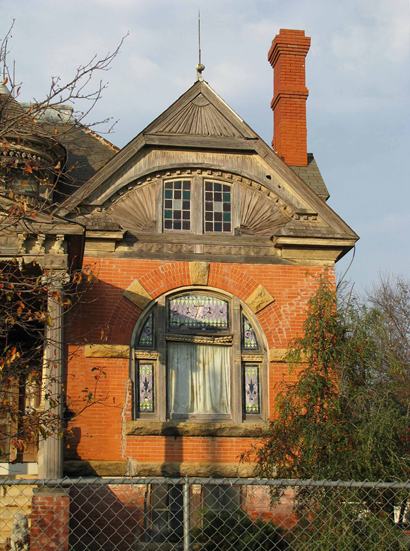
(14, 120)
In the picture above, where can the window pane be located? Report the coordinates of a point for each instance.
(217, 207)
(164, 518)
(146, 335)
(177, 205)
(146, 387)
(199, 379)
(249, 341)
(198, 312)
(252, 391)
(221, 498)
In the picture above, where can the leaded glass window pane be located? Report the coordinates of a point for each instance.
(217, 207)
(202, 312)
(146, 337)
(177, 205)
(251, 383)
(249, 340)
(146, 387)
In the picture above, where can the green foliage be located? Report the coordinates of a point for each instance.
(344, 418)
(227, 530)
(347, 526)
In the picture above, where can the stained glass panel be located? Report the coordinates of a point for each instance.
(198, 312)
(249, 340)
(217, 207)
(146, 337)
(251, 376)
(177, 205)
(146, 387)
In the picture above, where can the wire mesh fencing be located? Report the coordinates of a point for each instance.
(199, 514)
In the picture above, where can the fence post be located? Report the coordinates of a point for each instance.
(186, 514)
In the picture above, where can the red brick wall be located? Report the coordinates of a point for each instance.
(287, 57)
(105, 316)
(49, 521)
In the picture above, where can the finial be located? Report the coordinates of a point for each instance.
(4, 89)
(200, 67)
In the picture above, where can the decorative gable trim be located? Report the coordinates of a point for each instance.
(198, 117)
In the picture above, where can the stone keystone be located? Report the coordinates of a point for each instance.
(137, 294)
(199, 272)
(259, 299)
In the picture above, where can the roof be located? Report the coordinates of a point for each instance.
(87, 152)
(311, 175)
(14, 119)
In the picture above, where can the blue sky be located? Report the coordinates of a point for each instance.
(357, 73)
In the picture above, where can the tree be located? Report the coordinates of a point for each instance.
(40, 252)
(347, 416)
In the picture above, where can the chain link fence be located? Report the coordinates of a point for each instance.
(198, 514)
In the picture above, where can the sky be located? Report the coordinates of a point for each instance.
(357, 74)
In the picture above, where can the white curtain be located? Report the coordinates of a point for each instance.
(199, 378)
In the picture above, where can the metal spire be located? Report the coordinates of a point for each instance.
(200, 67)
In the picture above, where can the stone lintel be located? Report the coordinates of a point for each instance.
(53, 491)
(106, 351)
(199, 272)
(137, 294)
(172, 428)
(279, 355)
(259, 299)
(136, 468)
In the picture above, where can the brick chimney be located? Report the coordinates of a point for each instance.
(287, 57)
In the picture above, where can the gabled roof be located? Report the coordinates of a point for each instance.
(201, 119)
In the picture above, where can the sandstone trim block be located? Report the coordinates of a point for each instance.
(259, 299)
(277, 354)
(137, 294)
(186, 428)
(199, 272)
(106, 351)
(137, 468)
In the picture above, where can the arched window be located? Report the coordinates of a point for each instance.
(200, 356)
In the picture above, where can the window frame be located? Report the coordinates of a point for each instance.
(197, 200)
(158, 356)
(232, 188)
(181, 179)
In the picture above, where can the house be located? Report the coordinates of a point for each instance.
(205, 243)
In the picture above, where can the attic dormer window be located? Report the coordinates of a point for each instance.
(217, 207)
(177, 205)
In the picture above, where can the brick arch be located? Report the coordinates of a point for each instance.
(232, 279)
(229, 278)
(271, 322)
(122, 322)
(156, 282)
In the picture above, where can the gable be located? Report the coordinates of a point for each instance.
(200, 112)
(200, 135)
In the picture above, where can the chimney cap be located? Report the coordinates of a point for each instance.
(288, 41)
